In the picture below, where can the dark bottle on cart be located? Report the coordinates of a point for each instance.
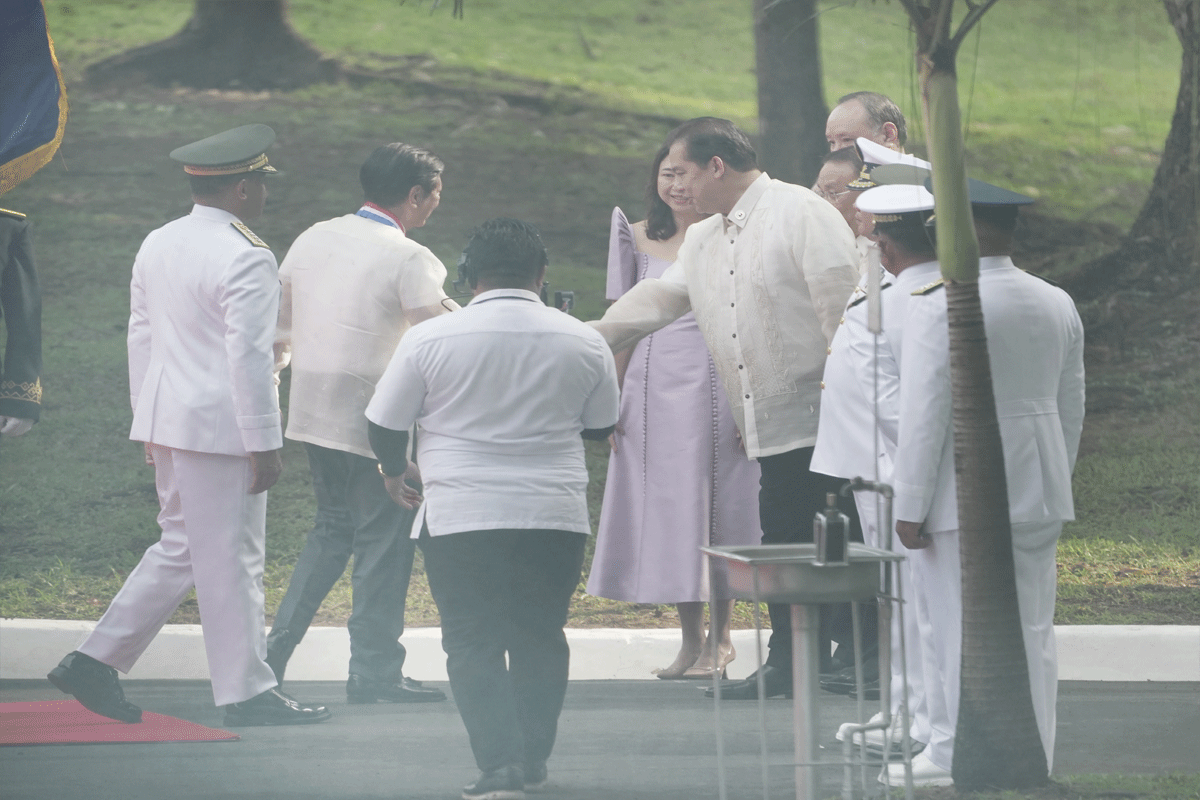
(831, 529)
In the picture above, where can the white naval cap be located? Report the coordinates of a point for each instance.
(875, 155)
(888, 203)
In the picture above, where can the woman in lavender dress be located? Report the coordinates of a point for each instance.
(678, 478)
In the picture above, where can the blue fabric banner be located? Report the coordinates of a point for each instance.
(33, 98)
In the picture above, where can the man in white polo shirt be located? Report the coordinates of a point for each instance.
(352, 286)
(502, 392)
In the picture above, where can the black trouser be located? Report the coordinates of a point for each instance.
(506, 591)
(789, 497)
(355, 516)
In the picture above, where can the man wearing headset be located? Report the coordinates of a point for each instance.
(504, 392)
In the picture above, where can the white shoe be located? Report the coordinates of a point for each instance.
(844, 729)
(874, 738)
(896, 746)
(924, 773)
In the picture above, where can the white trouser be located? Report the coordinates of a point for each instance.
(1035, 556)
(871, 508)
(939, 580)
(213, 536)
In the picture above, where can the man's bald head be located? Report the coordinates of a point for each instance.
(869, 115)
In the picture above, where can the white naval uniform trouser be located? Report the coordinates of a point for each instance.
(939, 589)
(870, 514)
(213, 537)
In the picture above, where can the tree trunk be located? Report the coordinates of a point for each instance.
(243, 44)
(997, 743)
(1163, 239)
(1171, 215)
(791, 104)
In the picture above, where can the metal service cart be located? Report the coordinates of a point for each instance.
(787, 573)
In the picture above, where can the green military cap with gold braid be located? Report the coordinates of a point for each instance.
(233, 152)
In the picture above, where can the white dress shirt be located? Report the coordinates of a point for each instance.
(768, 284)
(352, 286)
(501, 392)
(203, 302)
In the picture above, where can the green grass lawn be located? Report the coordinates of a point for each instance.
(1068, 102)
(1087, 787)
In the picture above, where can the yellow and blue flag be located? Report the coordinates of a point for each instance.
(33, 98)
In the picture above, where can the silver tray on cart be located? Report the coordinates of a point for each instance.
(787, 573)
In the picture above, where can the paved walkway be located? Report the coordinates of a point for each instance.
(642, 740)
(1129, 703)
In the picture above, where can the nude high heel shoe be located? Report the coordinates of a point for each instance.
(702, 669)
(678, 668)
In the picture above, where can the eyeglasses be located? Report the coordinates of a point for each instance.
(828, 195)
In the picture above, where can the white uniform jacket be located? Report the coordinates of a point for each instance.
(859, 380)
(1035, 345)
(890, 355)
(204, 300)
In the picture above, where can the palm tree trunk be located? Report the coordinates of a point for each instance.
(997, 743)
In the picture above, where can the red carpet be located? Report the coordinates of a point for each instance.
(67, 722)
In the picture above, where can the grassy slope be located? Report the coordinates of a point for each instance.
(1071, 104)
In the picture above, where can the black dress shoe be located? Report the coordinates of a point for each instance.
(405, 690)
(273, 707)
(870, 691)
(95, 685)
(505, 783)
(280, 645)
(844, 682)
(777, 682)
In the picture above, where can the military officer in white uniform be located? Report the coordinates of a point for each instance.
(1035, 345)
(204, 303)
(857, 432)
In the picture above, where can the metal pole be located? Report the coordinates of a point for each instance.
(722, 794)
(762, 702)
(805, 668)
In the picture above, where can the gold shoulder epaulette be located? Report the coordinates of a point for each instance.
(249, 234)
(858, 300)
(1042, 278)
(929, 287)
(14, 214)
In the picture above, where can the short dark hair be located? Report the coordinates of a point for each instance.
(706, 137)
(209, 185)
(911, 234)
(880, 109)
(847, 155)
(505, 252)
(660, 222)
(390, 173)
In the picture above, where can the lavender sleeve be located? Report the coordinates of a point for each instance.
(622, 261)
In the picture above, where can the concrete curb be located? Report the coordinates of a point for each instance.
(30, 648)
